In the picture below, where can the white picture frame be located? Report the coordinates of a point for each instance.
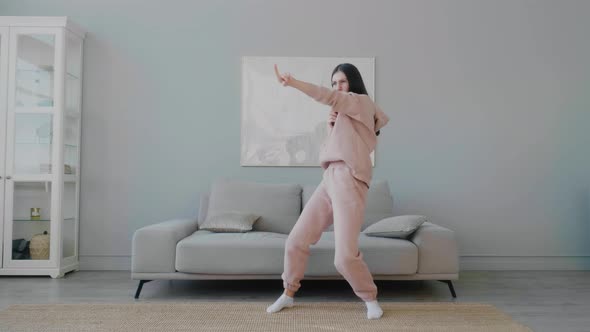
(281, 126)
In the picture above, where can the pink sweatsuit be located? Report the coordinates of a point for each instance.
(340, 197)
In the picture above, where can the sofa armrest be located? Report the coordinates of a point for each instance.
(154, 246)
(437, 249)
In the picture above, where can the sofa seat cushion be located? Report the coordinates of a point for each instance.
(382, 255)
(262, 253)
(231, 253)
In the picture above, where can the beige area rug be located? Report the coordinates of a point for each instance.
(252, 316)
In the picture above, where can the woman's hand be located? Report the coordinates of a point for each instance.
(285, 79)
(332, 118)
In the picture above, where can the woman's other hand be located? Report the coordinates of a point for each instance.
(285, 79)
(332, 118)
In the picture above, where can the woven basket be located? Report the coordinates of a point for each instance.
(39, 246)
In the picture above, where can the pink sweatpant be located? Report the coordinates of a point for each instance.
(339, 199)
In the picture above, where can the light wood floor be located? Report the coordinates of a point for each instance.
(543, 300)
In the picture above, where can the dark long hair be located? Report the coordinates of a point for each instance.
(355, 80)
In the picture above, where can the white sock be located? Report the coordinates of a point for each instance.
(284, 301)
(374, 311)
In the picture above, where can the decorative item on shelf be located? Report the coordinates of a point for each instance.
(20, 249)
(35, 213)
(68, 169)
(39, 246)
(45, 103)
(44, 132)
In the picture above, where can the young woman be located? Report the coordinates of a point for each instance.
(354, 123)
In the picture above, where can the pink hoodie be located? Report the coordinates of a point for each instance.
(353, 138)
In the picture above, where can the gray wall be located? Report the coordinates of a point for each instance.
(489, 102)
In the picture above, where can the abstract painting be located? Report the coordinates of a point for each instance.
(281, 126)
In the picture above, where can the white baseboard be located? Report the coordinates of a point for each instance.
(466, 263)
(500, 263)
(105, 263)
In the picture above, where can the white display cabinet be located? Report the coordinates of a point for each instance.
(40, 127)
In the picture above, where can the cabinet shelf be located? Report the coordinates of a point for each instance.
(45, 177)
(27, 220)
(32, 178)
(38, 67)
(73, 76)
(42, 143)
(33, 110)
(33, 220)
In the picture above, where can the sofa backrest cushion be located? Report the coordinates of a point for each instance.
(379, 202)
(278, 205)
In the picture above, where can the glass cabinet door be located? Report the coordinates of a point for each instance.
(33, 98)
(35, 68)
(71, 148)
(32, 142)
(3, 110)
(28, 207)
(35, 101)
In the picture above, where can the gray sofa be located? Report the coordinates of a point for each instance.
(178, 249)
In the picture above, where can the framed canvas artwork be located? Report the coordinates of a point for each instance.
(282, 126)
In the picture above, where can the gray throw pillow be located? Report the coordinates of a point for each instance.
(230, 222)
(397, 227)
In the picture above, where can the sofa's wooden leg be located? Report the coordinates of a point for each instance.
(139, 287)
(451, 288)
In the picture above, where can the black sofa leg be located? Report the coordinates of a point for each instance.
(451, 288)
(139, 287)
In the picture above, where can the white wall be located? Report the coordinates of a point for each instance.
(488, 99)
